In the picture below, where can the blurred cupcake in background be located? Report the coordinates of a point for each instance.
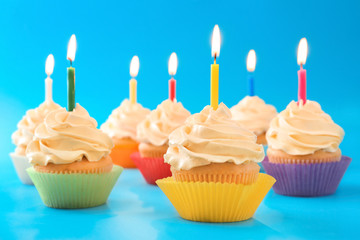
(303, 153)
(255, 115)
(214, 163)
(70, 158)
(153, 135)
(122, 123)
(27, 125)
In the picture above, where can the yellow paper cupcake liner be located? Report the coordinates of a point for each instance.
(216, 202)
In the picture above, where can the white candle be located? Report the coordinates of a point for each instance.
(49, 68)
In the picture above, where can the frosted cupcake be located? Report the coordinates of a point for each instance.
(121, 127)
(25, 134)
(255, 115)
(304, 154)
(214, 162)
(71, 163)
(153, 135)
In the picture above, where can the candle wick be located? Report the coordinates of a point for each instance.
(215, 58)
(70, 63)
(301, 66)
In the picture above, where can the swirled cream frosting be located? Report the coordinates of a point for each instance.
(254, 114)
(157, 126)
(123, 120)
(303, 129)
(27, 125)
(66, 137)
(212, 137)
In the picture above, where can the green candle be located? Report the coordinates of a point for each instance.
(71, 88)
(71, 73)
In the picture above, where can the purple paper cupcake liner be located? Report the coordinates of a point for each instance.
(307, 180)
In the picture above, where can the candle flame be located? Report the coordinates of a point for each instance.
(71, 48)
(302, 51)
(134, 66)
(49, 65)
(215, 42)
(173, 63)
(251, 61)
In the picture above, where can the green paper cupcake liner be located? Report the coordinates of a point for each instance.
(75, 190)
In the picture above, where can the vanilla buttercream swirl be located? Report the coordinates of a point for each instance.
(66, 137)
(27, 125)
(157, 126)
(123, 120)
(212, 137)
(254, 114)
(303, 129)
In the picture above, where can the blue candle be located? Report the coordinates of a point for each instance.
(251, 85)
(250, 65)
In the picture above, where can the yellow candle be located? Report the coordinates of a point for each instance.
(214, 102)
(132, 84)
(215, 52)
(134, 70)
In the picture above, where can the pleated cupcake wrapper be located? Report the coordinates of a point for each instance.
(21, 163)
(222, 178)
(307, 180)
(152, 169)
(76, 190)
(216, 202)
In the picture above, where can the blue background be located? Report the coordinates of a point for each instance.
(111, 32)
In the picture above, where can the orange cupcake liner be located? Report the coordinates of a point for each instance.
(120, 154)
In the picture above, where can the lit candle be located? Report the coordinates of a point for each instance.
(172, 67)
(49, 68)
(134, 70)
(215, 52)
(301, 59)
(250, 65)
(71, 73)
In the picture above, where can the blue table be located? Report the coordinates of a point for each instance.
(136, 210)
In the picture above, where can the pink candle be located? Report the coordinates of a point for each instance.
(302, 85)
(173, 62)
(301, 59)
(172, 89)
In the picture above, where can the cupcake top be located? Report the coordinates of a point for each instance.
(66, 137)
(254, 114)
(157, 126)
(123, 120)
(303, 129)
(212, 137)
(27, 125)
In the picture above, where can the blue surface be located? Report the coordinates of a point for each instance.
(111, 32)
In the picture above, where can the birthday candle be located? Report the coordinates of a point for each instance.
(301, 59)
(250, 65)
(49, 68)
(71, 73)
(134, 70)
(172, 67)
(215, 52)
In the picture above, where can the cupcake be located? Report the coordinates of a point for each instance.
(71, 163)
(121, 127)
(303, 153)
(24, 135)
(153, 135)
(254, 114)
(215, 171)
